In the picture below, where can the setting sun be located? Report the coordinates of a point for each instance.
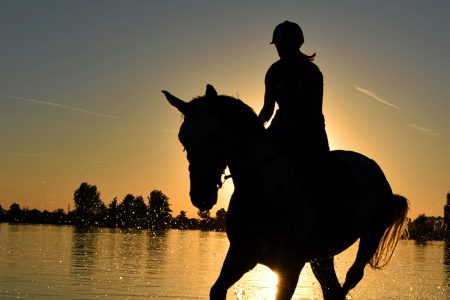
(260, 283)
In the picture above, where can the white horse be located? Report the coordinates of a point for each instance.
(276, 216)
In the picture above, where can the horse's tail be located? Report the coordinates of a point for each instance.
(396, 229)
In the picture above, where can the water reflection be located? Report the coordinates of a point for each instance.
(447, 266)
(84, 251)
(118, 263)
(420, 242)
(157, 251)
(447, 254)
(62, 262)
(157, 243)
(130, 253)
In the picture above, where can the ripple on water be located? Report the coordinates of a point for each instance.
(59, 262)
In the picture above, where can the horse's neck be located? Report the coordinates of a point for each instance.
(248, 154)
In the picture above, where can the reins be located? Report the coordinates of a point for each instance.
(222, 182)
(264, 161)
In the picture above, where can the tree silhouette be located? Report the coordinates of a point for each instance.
(447, 219)
(87, 204)
(159, 210)
(2, 214)
(206, 222)
(58, 216)
(425, 228)
(204, 214)
(15, 214)
(181, 221)
(221, 222)
(133, 212)
(33, 216)
(113, 214)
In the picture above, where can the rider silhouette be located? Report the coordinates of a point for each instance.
(295, 83)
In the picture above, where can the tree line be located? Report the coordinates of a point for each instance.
(425, 228)
(133, 212)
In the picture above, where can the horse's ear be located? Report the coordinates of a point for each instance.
(175, 102)
(211, 91)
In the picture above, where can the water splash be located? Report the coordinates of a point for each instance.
(239, 291)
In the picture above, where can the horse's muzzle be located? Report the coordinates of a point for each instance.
(203, 200)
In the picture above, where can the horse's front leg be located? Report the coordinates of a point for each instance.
(287, 281)
(237, 262)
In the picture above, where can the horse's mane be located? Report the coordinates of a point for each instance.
(232, 110)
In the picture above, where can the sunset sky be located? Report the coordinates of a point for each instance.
(81, 81)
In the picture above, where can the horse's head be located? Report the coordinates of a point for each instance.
(201, 138)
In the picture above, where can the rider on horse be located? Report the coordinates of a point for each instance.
(295, 83)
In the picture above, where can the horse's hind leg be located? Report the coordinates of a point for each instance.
(323, 269)
(235, 265)
(368, 245)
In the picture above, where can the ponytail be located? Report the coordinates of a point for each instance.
(309, 57)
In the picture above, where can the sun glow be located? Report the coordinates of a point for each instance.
(272, 280)
(225, 192)
(260, 283)
(268, 280)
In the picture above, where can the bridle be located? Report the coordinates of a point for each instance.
(251, 166)
(225, 177)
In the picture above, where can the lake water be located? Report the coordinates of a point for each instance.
(60, 262)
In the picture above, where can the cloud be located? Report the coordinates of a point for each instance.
(376, 97)
(19, 154)
(123, 128)
(414, 126)
(422, 129)
(80, 110)
(143, 129)
(97, 161)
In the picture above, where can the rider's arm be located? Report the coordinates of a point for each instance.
(269, 101)
(268, 108)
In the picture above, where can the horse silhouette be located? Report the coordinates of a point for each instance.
(278, 215)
